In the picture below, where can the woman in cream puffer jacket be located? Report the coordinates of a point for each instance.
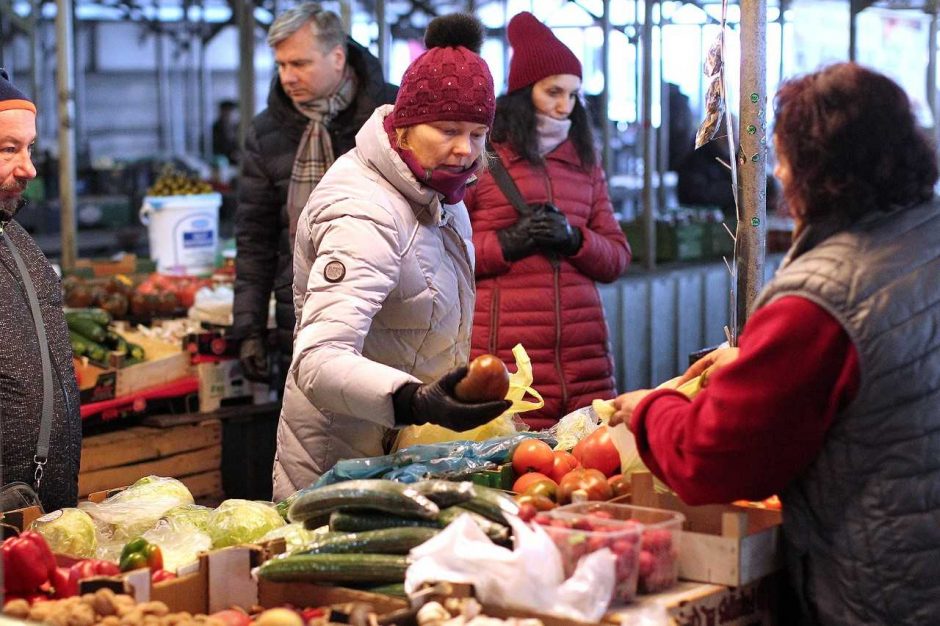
(383, 276)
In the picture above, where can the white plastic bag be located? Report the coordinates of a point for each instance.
(529, 576)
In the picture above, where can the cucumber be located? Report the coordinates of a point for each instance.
(396, 590)
(115, 342)
(135, 351)
(98, 316)
(384, 541)
(83, 346)
(494, 530)
(336, 568)
(445, 493)
(87, 327)
(354, 522)
(492, 504)
(367, 494)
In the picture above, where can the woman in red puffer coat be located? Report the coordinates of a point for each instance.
(536, 270)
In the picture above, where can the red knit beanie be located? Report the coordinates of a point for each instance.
(448, 82)
(536, 52)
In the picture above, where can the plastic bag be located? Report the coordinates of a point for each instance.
(68, 531)
(520, 384)
(530, 575)
(179, 541)
(574, 427)
(236, 522)
(130, 513)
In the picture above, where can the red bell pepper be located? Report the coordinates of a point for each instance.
(64, 583)
(158, 576)
(27, 562)
(88, 568)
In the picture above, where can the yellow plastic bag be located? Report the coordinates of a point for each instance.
(520, 384)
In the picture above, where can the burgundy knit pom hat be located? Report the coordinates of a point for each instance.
(11, 97)
(536, 53)
(449, 81)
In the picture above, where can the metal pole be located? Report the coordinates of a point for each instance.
(606, 157)
(646, 139)
(384, 39)
(66, 113)
(784, 5)
(752, 158)
(163, 86)
(853, 30)
(246, 74)
(662, 133)
(932, 99)
(34, 52)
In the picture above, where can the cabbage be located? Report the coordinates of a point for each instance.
(237, 522)
(192, 515)
(68, 531)
(133, 511)
(295, 536)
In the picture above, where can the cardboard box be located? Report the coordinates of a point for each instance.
(221, 383)
(720, 544)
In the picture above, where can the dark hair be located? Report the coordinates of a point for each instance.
(515, 125)
(853, 147)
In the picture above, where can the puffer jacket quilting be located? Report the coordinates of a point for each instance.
(549, 305)
(400, 312)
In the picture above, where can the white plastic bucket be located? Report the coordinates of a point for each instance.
(183, 231)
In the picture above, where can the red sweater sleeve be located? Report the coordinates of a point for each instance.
(763, 418)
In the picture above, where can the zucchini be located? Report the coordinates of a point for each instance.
(87, 327)
(396, 590)
(135, 351)
(336, 568)
(492, 504)
(83, 346)
(367, 494)
(98, 316)
(384, 541)
(445, 493)
(115, 342)
(355, 522)
(494, 530)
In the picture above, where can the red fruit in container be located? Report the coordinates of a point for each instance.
(647, 563)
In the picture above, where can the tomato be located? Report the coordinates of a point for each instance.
(547, 488)
(541, 503)
(232, 617)
(533, 455)
(527, 480)
(563, 463)
(487, 379)
(593, 482)
(619, 485)
(597, 451)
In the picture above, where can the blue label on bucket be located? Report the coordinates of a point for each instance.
(198, 238)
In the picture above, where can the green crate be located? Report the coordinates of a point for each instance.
(718, 243)
(674, 242)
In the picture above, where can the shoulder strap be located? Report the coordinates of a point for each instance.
(507, 185)
(45, 426)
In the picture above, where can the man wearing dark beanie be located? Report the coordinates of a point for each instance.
(39, 414)
(538, 257)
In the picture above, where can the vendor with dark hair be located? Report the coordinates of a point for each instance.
(537, 267)
(833, 398)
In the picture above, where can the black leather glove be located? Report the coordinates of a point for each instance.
(435, 403)
(253, 355)
(552, 232)
(516, 240)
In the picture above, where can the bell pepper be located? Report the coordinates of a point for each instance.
(86, 568)
(141, 553)
(158, 576)
(27, 562)
(64, 583)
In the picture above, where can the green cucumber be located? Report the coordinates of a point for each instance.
(98, 316)
(115, 342)
(396, 590)
(87, 327)
(492, 504)
(336, 568)
(384, 541)
(494, 530)
(355, 522)
(135, 351)
(93, 350)
(367, 494)
(445, 493)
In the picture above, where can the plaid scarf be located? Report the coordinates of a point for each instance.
(315, 152)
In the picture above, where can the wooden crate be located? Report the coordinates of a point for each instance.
(721, 544)
(190, 452)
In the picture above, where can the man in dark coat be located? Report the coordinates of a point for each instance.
(21, 350)
(327, 86)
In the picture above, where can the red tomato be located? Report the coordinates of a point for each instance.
(589, 480)
(598, 452)
(533, 455)
(619, 485)
(232, 617)
(564, 462)
(524, 482)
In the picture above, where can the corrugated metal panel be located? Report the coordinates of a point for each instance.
(656, 320)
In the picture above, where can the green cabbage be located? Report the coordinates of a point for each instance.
(68, 531)
(237, 522)
(192, 515)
